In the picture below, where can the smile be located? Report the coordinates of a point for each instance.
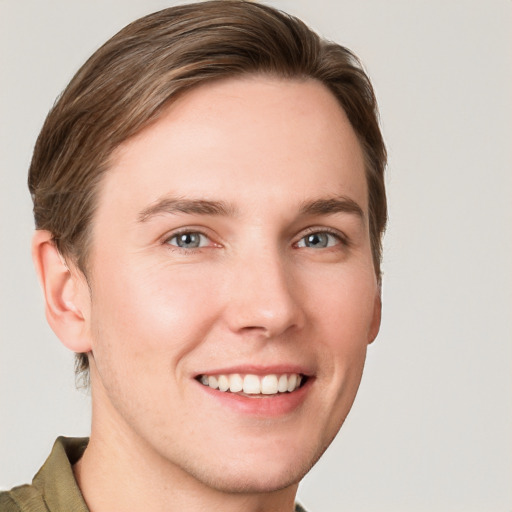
(251, 384)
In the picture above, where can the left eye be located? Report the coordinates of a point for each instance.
(188, 240)
(318, 240)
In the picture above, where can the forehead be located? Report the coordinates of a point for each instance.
(249, 140)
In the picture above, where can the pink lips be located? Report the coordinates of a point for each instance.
(260, 405)
(259, 370)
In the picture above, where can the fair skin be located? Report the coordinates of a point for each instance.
(231, 239)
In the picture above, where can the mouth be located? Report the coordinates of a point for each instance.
(254, 386)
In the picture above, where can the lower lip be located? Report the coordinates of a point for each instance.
(262, 405)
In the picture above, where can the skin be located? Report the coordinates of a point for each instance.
(153, 315)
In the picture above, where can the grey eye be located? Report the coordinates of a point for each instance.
(189, 240)
(319, 240)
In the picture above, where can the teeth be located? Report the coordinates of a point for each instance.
(282, 384)
(253, 384)
(269, 385)
(223, 383)
(292, 381)
(236, 383)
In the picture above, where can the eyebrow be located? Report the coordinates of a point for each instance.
(332, 205)
(173, 205)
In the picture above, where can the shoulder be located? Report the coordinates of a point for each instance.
(25, 498)
(7, 504)
(54, 487)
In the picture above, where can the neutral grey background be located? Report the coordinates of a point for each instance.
(431, 429)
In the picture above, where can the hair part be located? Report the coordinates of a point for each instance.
(125, 85)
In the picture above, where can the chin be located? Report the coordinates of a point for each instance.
(254, 482)
(267, 473)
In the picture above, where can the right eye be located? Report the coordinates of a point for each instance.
(188, 240)
(319, 240)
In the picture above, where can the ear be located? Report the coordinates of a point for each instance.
(377, 313)
(66, 293)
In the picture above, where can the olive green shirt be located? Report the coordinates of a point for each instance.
(54, 488)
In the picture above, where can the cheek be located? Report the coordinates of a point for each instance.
(344, 311)
(144, 311)
(345, 299)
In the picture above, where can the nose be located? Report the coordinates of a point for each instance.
(263, 298)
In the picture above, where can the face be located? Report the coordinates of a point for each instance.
(233, 293)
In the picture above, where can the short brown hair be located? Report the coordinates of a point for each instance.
(126, 83)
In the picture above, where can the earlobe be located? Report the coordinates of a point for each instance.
(375, 325)
(65, 293)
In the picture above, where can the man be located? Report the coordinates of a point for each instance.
(209, 203)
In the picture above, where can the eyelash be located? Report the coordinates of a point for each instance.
(341, 238)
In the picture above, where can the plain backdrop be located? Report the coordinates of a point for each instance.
(431, 429)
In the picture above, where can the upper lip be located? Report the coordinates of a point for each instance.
(253, 369)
